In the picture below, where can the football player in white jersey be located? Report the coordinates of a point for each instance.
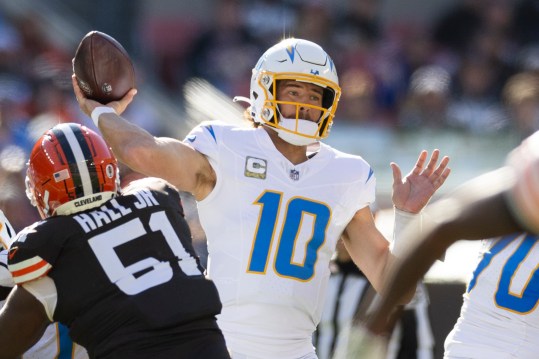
(55, 341)
(271, 203)
(499, 316)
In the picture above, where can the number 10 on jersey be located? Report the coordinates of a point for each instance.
(295, 210)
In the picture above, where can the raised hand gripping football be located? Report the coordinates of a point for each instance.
(103, 74)
(103, 68)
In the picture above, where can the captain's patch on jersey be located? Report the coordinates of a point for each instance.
(256, 167)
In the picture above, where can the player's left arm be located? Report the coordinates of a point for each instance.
(476, 211)
(27, 315)
(369, 248)
(412, 193)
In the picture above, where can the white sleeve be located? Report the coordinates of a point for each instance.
(6, 280)
(7, 233)
(404, 221)
(44, 290)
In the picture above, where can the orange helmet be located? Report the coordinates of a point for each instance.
(71, 168)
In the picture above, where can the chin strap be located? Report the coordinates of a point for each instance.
(292, 129)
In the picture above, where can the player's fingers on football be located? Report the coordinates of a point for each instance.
(120, 105)
(75, 85)
(78, 92)
(130, 94)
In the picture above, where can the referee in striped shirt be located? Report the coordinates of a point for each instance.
(348, 288)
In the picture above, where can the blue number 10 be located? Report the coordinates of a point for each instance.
(296, 209)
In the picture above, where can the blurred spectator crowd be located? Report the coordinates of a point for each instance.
(474, 68)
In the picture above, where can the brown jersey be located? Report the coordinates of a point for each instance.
(128, 281)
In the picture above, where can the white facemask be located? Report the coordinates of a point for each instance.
(306, 127)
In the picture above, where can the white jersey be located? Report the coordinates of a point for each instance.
(272, 228)
(55, 343)
(524, 196)
(499, 318)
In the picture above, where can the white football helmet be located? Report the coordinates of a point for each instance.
(298, 60)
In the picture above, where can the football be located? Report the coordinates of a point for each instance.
(103, 68)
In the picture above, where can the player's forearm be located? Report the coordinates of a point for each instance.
(406, 293)
(130, 143)
(406, 227)
(25, 313)
(487, 217)
(402, 279)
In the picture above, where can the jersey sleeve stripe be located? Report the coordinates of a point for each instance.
(29, 269)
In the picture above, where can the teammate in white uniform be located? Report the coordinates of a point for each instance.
(272, 211)
(55, 341)
(499, 317)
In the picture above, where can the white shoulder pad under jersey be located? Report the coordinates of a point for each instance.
(248, 156)
(6, 280)
(204, 137)
(524, 196)
(7, 233)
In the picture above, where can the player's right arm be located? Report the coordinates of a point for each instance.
(167, 158)
(25, 313)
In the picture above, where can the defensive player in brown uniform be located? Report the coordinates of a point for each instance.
(118, 269)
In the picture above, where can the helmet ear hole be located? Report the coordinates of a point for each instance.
(328, 97)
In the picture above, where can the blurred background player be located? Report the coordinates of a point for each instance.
(348, 291)
(55, 342)
(273, 211)
(122, 273)
(499, 317)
